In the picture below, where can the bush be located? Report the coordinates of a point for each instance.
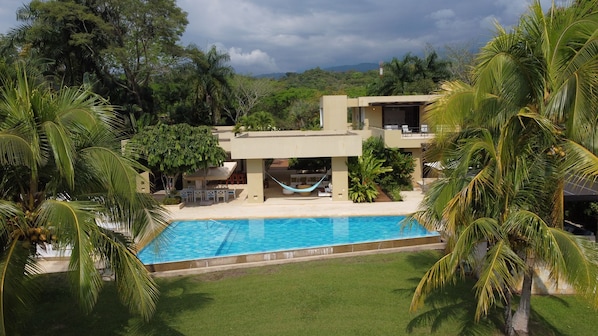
(395, 194)
(172, 200)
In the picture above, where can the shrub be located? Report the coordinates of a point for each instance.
(395, 194)
(172, 200)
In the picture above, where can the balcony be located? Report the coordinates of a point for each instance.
(403, 136)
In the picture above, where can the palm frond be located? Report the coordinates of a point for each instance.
(440, 274)
(17, 291)
(136, 287)
(496, 275)
(580, 161)
(74, 225)
(580, 257)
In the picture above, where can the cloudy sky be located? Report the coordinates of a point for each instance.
(264, 36)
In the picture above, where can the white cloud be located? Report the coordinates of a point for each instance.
(255, 61)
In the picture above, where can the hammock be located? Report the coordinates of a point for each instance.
(310, 189)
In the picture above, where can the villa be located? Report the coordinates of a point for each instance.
(396, 119)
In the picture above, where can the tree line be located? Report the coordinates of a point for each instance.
(129, 51)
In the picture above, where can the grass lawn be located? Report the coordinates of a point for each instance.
(367, 295)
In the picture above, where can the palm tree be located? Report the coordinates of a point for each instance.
(211, 80)
(523, 126)
(397, 74)
(62, 176)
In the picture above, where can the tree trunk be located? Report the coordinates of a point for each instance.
(508, 315)
(521, 317)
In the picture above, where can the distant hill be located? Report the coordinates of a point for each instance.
(361, 67)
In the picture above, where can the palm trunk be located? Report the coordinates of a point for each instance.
(508, 315)
(521, 317)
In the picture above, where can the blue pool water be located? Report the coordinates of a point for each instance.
(197, 239)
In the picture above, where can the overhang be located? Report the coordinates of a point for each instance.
(579, 189)
(295, 144)
(213, 173)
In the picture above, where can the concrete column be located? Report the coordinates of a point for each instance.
(334, 111)
(340, 179)
(417, 176)
(255, 181)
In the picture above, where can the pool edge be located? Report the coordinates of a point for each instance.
(259, 259)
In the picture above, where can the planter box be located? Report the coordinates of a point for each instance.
(174, 206)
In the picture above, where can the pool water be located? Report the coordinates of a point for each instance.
(198, 239)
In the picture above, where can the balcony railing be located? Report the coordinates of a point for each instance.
(422, 131)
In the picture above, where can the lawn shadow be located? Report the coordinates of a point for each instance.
(423, 259)
(109, 316)
(538, 325)
(454, 302)
(175, 300)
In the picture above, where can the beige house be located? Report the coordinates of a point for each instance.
(397, 119)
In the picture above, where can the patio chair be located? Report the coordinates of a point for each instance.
(221, 195)
(211, 195)
(187, 195)
(423, 129)
(231, 193)
(405, 129)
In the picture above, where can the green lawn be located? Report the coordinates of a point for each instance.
(367, 295)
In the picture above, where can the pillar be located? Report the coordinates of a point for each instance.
(340, 179)
(255, 180)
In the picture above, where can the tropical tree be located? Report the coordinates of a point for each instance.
(525, 124)
(412, 75)
(210, 80)
(176, 149)
(120, 44)
(62, 177)
(246, 93)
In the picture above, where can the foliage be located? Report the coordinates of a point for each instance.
(121, 45)
(172, 200)
(411, 75)
(258, 121)
(395, 194)
(402, 165)
(176, 149)
(245, 93)
(303, 115)
(526, 122)
(363, 172)
(210, 83)
(63, 176)
(461, 61)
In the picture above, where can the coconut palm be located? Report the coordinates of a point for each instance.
(62, 178)
(525, 124)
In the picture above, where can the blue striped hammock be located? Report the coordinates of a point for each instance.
(289, 188)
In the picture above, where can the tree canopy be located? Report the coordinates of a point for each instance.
(176, 149)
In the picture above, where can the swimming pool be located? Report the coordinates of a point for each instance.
(200, 239)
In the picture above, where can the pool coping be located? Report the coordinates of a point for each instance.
(258, 259)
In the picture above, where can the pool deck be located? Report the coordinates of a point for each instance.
(279, 205)
(296, 206)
